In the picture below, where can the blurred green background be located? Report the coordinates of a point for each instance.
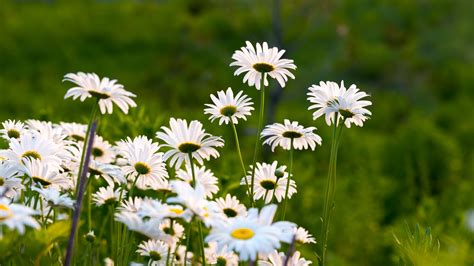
(412, 162)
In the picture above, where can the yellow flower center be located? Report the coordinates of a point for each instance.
(228, 111)
(142, 168)
(263, 67)
(176, 210)
(5, 212)
(188, 147)
(31, 155)
(242, 233)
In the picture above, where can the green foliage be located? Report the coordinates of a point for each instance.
(417, 247)
(36, 246)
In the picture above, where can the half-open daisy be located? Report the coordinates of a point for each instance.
(185, 141)
(106, 91)
(74, 131)
(302, 236)
(261, 61)
(284, 134)
(330, 100)
(229, 108)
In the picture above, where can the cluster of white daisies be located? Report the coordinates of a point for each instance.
(39, 171)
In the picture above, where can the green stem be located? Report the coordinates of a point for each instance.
(188, 240)
(290, 175)
(259, 128)
(237, 144)
(81, 164)
(201, 239)
(47, 215)
(330, 189)
(89, 204)
(192, 169)
(132, 189)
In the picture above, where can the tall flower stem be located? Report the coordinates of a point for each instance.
(330, 189)
(290, 175)
(80, 193)
(237, 144)
(191, 163)
(81, 164)
(188, 240)
(199, 222)
(201, 239)
(259, 129)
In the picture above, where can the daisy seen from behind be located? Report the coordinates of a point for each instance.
(107, 91)
(290, 135)
(331, 100)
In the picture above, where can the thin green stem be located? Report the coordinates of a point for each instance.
(237, 144)
(81, 164)
(47, 215)
(132, 189)
(290, 175)
(89, 204)
(201, 239)
(192, 169)
(188, 240)
(259, 128)
(330, 188)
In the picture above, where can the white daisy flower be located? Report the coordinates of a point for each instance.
(220, 257)
(12, 129)
(329, 99)
(146, 227)
(228, 108)
(184, 140)
(171, 236)
(194, 199)
(10, 180)
(102, 151)
(282, 135)
(47, 130)
(261, 61)
(54, 198)
(74, 131)
(231, 206)
(108, 262)
(112, 174)
(132, 204)
(34, 146)
(154, 249)
(107, 91)
(144, 162)
(179, 256)
(16, 216)
(108, 195)
(302, 236)
(45, 175)
(204, 177)
(278, 259)
(155, 209)
(251, 235)
(270, 182)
